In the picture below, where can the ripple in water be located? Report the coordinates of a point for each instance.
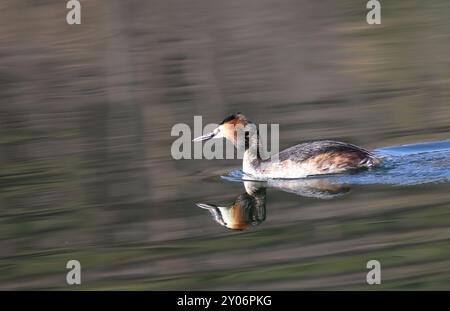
(411, 164)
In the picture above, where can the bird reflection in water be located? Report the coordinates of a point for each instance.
(249, 208)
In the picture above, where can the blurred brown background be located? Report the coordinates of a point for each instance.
(86, 112)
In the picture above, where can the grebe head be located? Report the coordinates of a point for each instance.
(230, 128)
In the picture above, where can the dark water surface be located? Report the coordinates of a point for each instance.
(86, 171)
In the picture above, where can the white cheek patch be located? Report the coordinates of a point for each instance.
(218, 132)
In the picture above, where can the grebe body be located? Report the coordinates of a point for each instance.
(302, 160)
(313, 158)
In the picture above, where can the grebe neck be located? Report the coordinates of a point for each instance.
(252, 158)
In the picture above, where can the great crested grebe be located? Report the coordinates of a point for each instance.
(312, 158)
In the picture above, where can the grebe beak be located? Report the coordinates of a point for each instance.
(217, 133)
(205, 137)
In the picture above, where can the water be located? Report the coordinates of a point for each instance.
(85, 165)
(405, 165)
(312, 233)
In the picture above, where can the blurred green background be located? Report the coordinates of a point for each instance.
(85, 118)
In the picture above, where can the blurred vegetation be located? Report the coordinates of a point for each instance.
(85, 119)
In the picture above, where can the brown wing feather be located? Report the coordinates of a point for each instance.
(326, 154)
